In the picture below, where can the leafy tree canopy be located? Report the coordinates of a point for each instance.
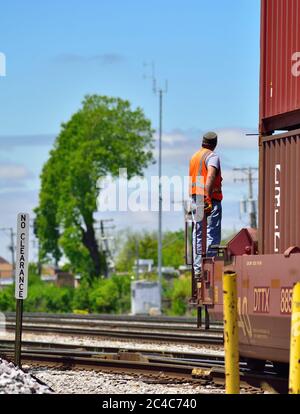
(102, 137)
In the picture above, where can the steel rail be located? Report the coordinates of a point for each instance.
(165, 369)
(118, 324)
(112, 317)
(127, 334)
(8, 345)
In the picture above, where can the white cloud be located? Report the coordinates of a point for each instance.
(14, 172)
(234, 146)
(173, 138)
(237, 139)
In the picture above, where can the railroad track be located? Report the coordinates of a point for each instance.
(162, 329)
(115, 321)
(168, 335)
(150, 366)
(44, 347)
(119, 324)
(111, 317)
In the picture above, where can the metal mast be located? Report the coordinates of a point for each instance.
(160, 190)
(160, 91)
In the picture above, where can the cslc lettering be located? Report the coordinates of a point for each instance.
(277, 201)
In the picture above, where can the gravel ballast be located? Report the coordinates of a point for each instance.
(124, 344)
(90, 382)
(64, 381)
(15, 381)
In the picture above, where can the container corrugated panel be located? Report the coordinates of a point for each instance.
(279, 196)
(280, 60)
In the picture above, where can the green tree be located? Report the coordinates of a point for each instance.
(179, 295)
(145, 243)
(102, 137)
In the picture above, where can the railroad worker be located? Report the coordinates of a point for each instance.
(206, 181)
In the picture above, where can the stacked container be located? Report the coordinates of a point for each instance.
(279, 193)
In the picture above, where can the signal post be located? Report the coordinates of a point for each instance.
(21, 279)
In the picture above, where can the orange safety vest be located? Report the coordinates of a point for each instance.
(198, 176)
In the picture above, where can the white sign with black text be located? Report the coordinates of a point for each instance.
(22, 256)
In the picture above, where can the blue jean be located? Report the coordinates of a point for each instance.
(213, 235)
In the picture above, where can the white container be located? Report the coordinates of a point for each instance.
(145, 297)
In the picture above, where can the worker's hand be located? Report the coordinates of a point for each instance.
(207, 205)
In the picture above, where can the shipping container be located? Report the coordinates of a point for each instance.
(280, 65)
(279, 193)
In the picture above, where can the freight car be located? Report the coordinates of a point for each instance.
(267, 260)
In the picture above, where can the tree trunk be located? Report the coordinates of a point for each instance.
(90, 242)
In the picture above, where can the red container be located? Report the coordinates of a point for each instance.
(280, 65)
(279, 195)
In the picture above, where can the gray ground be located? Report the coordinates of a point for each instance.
(15, 381)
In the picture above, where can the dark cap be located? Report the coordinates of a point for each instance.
(210, 138)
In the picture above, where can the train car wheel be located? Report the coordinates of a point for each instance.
(256, 364)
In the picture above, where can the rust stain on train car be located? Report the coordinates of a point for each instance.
(275, 283)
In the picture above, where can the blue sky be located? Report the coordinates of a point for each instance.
(59, 51)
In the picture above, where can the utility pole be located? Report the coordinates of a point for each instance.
(11, 248)
(104, 243)
(160, 91)
(137, 259)
(250, 171)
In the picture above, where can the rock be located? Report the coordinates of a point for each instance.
(15, 381)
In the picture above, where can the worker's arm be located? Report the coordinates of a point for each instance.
(211, 176)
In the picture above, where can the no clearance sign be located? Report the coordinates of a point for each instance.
(22, 256)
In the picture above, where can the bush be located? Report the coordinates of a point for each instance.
(123, 286)
(81, 300)
(41, 298)
(7, 299)
(179, 295)
(48, 298)
(104, 296)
